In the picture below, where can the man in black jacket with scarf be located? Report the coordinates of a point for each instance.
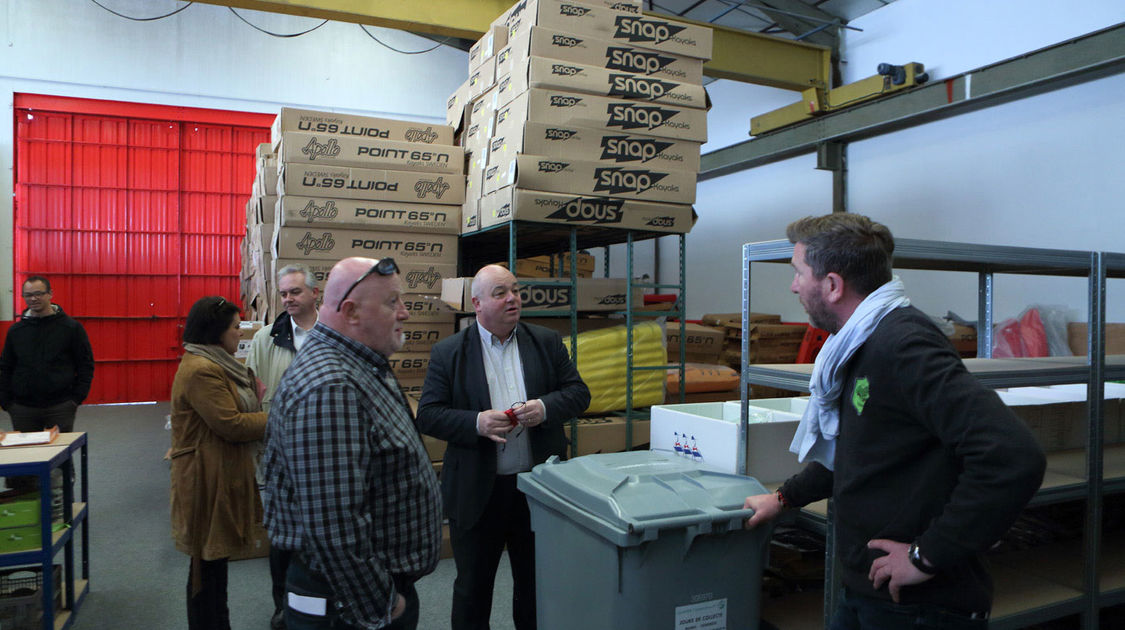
(47, 364)
(927, 467)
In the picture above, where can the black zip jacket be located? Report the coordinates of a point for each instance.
(46, 361)
(925, 453)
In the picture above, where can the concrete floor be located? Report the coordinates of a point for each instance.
(138, 579)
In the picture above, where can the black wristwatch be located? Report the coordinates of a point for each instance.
(915, 556)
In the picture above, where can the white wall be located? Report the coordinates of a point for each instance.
(1039, 172)
(205, 56)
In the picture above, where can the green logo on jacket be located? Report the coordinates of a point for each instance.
(860, 394)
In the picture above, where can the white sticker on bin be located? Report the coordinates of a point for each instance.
(702, 616)
(317, 606)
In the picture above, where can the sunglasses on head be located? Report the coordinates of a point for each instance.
(384, 267)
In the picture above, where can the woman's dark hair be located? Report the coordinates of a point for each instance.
(208, 318)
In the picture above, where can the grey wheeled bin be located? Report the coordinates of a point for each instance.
(643, 540)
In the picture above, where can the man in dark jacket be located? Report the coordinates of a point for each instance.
(926, 466)
(47, 365)
(498, 392)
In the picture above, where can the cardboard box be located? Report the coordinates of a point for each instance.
(482, 78)
(710, 433)
(410, 366)
(532, 205)
(594, 294)
(703, 344)
(584, 143)
(456, 110)
(495, 38)
(1114, 338)
(562, 15)
(482, 111)
(552, 74)
(435, 448)
(734, 320)
(470, 215)
(591, 51)
(293, 211)
(626, 6)
(552, 266)
(428, 307)
(246, 331)
(412, 389)
(417, 277)
(600, 112)
(265, 177)
(594, 177)
(658, 33)
(393, 155)
(421, 336)
(343, 182)
(605, 435)
(328, 243)
(354, 126)
(264, 209)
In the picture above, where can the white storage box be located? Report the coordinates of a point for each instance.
(708, 434)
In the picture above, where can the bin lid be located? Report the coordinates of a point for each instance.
(642, 490)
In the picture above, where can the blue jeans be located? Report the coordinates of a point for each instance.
(856, 612)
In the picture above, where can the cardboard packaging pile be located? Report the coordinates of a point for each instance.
(583, 113)
(345, 185)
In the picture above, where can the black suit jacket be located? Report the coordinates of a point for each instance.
(456, 390)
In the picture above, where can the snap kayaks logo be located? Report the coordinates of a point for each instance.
(616, 180)
(626, 149)
(647, 31)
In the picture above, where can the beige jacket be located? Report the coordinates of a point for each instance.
(215, 501)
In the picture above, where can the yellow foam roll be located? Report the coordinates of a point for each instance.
(601, 362)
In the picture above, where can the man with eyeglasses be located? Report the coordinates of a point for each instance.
(47, 364)
(271, 351)
(349, 488)
(498, 392)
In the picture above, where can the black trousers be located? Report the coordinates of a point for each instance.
(302, 580)
(506, 522)
(28, 419)
(207, 608)
(279, 567)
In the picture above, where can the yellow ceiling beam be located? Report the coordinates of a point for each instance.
(738, 55)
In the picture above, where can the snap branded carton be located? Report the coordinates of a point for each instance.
(330, 243)
(421, 336)
(349, 182)
(532, 205)
(585, 143)
(590, 177)
(428, 307)
(563, 15)
(625, 6)
(470, 215)
(294, 211)
(295, 146)
(495, 38)
(600, 112)
(662, 34)
(456, 112)
(417, 277)
(593, 294)
(409, 366)
(592, 51)
(353, 126)
(482, 78)
(552, 74)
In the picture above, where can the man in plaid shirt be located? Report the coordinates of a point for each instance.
(349, 486)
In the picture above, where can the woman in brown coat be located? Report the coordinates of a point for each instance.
(216, 423)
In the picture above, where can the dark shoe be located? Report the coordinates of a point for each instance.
(277, 621)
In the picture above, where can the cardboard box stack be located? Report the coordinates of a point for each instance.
(256, 284)
(345, 185)
(585, 113)
(553, 266)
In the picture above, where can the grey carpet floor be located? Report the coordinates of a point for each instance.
(138, 579)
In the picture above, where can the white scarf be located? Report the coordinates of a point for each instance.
(816, 434)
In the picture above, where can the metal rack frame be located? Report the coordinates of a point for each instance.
(987, 260)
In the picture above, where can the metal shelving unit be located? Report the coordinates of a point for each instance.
(39, 461)
(1083, 471)
(531, 238)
